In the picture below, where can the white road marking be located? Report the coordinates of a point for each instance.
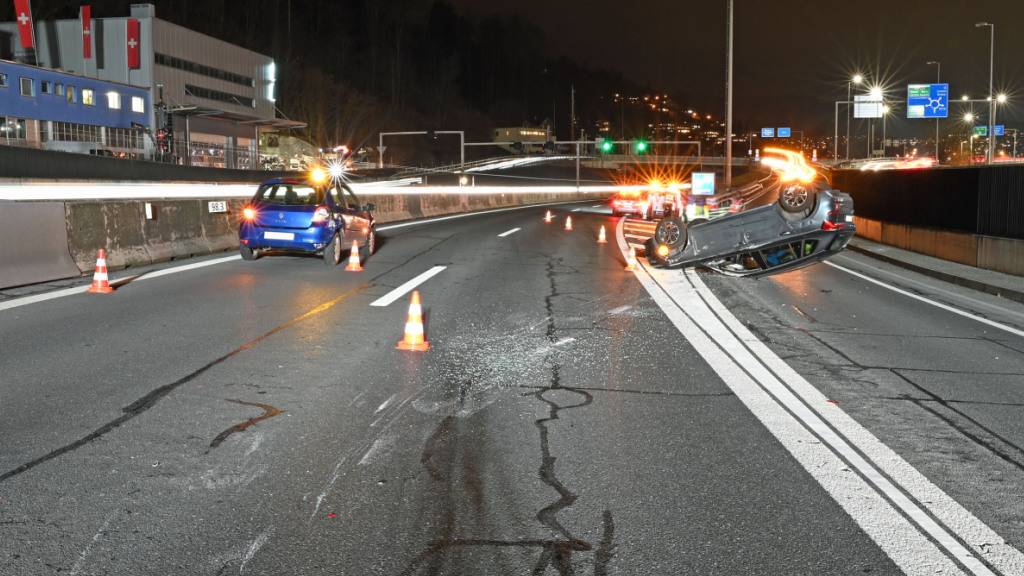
(257, 543)
(402, 290)
(36, 298)
(756, 375)
(77, 568)
(509, 232)
(945, 307)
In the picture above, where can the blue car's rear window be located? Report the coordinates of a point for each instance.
(290, 195)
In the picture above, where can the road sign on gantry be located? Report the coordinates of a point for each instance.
(928, 101)
(867, 106)
(767, 132)
(784, 132)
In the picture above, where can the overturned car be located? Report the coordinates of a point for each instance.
(808, 223)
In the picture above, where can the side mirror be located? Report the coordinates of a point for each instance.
(370, 207)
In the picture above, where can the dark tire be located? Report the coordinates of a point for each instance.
(671, 232)
(247, 253)
(796, 199)
(332, 252)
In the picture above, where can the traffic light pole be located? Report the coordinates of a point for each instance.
(728, 108)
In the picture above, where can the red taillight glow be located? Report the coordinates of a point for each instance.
(249, 213)
(321, 214)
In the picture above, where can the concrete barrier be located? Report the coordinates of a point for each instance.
(185, 228)
(987, 252)
(33, 243)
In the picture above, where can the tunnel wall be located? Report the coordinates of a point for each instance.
(43, 241)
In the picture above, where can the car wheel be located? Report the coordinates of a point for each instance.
(796, 199)
(247, 252)
(671, 232)
(332, 252)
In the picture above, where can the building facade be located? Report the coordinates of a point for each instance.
(44, 108)
(212, 98)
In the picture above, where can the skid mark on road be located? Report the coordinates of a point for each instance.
(268, 412)
(152, 398)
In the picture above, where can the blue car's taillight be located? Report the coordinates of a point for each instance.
(321, 215)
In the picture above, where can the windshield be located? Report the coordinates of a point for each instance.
(290, 195)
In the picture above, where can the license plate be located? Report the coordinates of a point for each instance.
(279, 235)
(849, 217)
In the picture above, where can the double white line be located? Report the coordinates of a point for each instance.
(919, 526)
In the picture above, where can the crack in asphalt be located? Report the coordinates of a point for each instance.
(149, 400)
(556, 552)
(268, 412)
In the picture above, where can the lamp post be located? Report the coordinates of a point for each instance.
(857, 79)
(728, 107)
(969, 121)
(885, 114)
(991, 96)
(938, 79)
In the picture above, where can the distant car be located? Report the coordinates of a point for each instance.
(314, 216)
(808, 224)
(656, 200)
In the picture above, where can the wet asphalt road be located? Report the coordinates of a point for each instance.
(255, 417)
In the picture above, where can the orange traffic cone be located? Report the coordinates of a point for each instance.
(414, 339)
(353, 259)
(601, 239)
(548, 217)
(631, 263)
(568, 223)
(100, 281)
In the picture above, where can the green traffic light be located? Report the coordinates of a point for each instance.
(641, 146)
(606, 146)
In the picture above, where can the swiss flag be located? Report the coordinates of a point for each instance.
(86, 17)
(23, 14)
(132, 43)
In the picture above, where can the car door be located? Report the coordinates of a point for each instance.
(357, 226)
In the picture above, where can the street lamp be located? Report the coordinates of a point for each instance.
(857, 79)
(965, 97)
(938, 79)
(969, 118)
(991, 105)
(1001, 98)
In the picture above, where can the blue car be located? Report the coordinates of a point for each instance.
(298, 215)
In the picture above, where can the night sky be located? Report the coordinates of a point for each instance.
(792, 57)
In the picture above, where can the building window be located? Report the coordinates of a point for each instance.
(3, 80)
(180, 64)
(72, 132)
(113, 100)
(138, 105)
(209, 94)
(13, 129)
(87, 97)
(59, 89)
(45, 87)
(27, 87)
(124, 138)
(71, 94)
